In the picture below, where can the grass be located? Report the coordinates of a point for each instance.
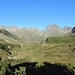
(54, 50)
(57, 40)
(3, 54)
(58, 52)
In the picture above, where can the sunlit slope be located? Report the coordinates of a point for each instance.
(8, 36)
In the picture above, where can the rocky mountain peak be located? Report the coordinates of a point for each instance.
(53, 31)
(13, 28)
(52, 26)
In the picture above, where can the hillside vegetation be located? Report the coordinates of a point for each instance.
(54, 50)
(54, 40)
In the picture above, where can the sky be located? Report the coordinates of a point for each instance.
(37, 13)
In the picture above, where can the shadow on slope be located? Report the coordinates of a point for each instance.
(45, 69)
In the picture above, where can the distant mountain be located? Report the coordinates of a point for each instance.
(53, 31)
(30, 35)
(33, 34)
(24, 35)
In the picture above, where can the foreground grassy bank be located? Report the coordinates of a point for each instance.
(22, 67)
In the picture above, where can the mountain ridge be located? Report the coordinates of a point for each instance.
(35, 35)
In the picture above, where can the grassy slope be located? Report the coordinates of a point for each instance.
(58, 51)
(3, 54)
(53, 51)
(8, 35)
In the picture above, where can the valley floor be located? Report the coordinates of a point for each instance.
(53, 53)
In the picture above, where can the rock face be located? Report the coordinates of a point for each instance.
(67, 29)
(71, 33)
(73, 30)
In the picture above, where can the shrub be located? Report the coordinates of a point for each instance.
(21, 71)
(4, 67)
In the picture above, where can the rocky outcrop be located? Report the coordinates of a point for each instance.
(73, 30)
(67, 29)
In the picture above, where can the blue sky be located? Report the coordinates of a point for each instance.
(37, 13)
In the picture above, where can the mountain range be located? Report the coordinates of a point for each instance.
(14, 33)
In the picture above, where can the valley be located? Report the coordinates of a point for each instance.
(43, 51)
